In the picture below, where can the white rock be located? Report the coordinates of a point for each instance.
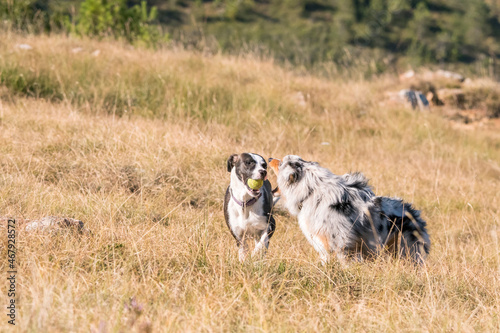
(407, 75)
(54, 222)
(300, 99)
(450, 75)
(24, 47)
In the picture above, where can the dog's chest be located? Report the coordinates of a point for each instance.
(248, 219)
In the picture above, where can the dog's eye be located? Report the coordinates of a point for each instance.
(264, 166)
(248, 163)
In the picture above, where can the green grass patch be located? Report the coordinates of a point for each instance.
(22, 81)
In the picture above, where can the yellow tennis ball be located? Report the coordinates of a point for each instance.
(255, 184)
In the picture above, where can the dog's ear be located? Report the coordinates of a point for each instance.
(275, 165)
(231, 162)
(296, 174)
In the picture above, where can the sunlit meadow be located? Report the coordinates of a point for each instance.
(134, 143)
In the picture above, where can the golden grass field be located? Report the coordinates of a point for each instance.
(134, 143)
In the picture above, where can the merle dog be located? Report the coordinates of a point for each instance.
(341, 214)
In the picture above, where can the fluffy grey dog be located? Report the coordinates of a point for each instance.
(341, 214)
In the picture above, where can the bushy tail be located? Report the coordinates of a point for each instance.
(408, 235)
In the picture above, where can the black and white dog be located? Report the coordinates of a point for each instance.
(248, 212)
(341, 214)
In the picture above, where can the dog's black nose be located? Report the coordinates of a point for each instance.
(263, 173)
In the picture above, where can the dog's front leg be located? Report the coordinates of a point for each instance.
(321, 245)
(342, 258)
(318, 240)
(243, 250)
(262, 245)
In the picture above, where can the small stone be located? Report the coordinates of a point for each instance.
(407, 75)
(450, 75)
(54, 222)
(24, 46)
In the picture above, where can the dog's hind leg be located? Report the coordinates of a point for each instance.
(414, 245)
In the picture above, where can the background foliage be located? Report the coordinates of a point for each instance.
(380, 33)
(113, 17)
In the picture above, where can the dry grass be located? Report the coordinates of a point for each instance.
(149, 185)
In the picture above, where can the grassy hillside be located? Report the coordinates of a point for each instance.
(134, 143)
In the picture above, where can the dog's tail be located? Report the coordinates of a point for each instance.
(408, 235)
